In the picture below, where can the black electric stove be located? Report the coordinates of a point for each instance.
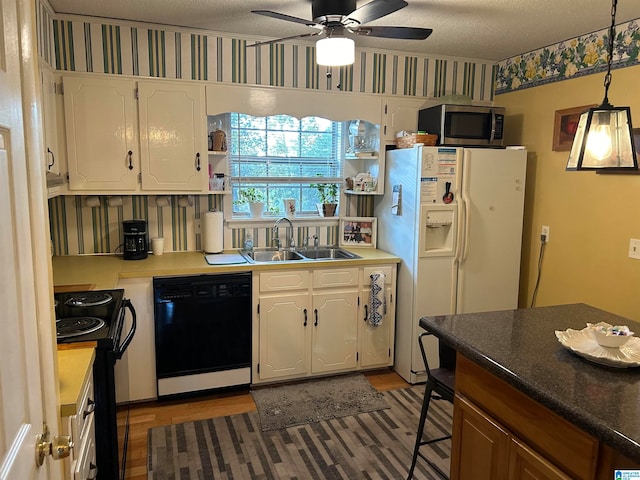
(99, 316)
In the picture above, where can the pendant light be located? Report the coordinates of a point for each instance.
(604, 138)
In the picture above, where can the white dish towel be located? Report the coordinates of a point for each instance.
(377, 299)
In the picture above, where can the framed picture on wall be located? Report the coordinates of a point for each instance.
(565, 126)
(358, 231)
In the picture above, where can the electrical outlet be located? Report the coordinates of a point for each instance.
(545, 233)
(634, 248)
(198, 226)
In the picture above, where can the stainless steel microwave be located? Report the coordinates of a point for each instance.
(464, 125)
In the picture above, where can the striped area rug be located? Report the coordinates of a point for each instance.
(373, 445)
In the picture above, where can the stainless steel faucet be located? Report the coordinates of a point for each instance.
(291, 241)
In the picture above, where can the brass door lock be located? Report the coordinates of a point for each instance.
(59, 447)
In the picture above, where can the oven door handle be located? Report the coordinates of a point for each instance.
(123, 346)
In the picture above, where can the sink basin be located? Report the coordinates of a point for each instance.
(327, 253)
(270, 255)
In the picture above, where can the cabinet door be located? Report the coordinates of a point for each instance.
(480, 446)
(49, 117)
(102, 133)
(135, 372)
(285, 323)
(400, 114)
(173, 136)
(335, 330)
(375, 340)
(526, 464)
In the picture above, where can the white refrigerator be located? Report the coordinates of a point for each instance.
(454, 216)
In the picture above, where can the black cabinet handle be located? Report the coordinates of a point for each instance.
(315, 311)
(198, 161)
(366, 312)
(130, 155)
(305, 317)
(53, 158)
(91, 406)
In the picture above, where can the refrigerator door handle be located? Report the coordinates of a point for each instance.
(464, 221)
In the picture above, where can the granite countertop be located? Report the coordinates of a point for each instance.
(104, 271)
(520, 347)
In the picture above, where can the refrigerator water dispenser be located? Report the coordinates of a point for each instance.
(438, 230)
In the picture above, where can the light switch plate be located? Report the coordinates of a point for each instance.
(634, 248)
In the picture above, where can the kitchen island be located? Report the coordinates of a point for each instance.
(577, 418)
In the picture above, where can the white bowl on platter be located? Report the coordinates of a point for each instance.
(610, 336)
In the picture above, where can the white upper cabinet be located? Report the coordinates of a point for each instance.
(102, 133)
(50, 120)
(400, 114)
(173, 136)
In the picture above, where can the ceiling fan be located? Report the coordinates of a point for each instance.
(333, 20)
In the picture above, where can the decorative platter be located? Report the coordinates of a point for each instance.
(584, 344)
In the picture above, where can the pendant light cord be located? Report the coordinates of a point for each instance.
(612, 34)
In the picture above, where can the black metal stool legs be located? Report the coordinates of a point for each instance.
(419, 442)
(439, 381)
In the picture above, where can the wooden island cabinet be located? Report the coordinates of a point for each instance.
(525, 408)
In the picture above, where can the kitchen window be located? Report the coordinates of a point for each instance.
(281, 156)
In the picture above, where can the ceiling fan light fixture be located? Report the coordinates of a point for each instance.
(335, 51)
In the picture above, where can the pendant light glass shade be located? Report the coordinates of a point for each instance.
(335, 51)
(603, 140)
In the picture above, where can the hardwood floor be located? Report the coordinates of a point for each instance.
(154, 414)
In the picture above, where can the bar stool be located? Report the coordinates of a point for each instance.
(440, 381)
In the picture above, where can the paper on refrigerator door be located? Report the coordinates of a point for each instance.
(428, 189)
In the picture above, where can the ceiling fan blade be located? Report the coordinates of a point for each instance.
(374, 10)
(402, 33)
(277, 40)
(288, 18)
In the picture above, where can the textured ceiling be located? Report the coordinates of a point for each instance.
(483, 29)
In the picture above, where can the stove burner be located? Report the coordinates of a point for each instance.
(88, 299)
(74, 326)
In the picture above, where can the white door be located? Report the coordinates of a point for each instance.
(27, 394)
(102, 133)
(335, 330)
(493, 183)
(173, 144)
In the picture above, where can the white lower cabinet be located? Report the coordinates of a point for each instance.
(307, 323)
(81, 464)
(135, 372)
(377, 341)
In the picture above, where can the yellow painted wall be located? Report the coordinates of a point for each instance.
(591, 216)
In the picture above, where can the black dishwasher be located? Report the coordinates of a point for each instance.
(202, 332)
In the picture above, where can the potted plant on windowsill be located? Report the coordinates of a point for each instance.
(328, 196)
(254, 198)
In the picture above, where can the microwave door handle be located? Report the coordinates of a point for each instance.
(493, 127)
(123, 346)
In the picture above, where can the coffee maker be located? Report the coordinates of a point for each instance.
(136, 239)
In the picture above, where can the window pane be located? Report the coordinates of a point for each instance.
(319, 145)
(283, 144)
(283, 122)
(252, 143)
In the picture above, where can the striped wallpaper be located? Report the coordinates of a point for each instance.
(85, 44)
(77, 229)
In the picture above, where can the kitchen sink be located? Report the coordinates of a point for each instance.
(271, 255)
(327, 253)
(261, 255)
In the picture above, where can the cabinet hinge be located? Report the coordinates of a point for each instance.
(358, 300)
(258, 368)
(137, 94)
(385, 108)
(258, 309)
(357, 356)
(140, 178)
(389, 354)
(58, 88)
(385, 129)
